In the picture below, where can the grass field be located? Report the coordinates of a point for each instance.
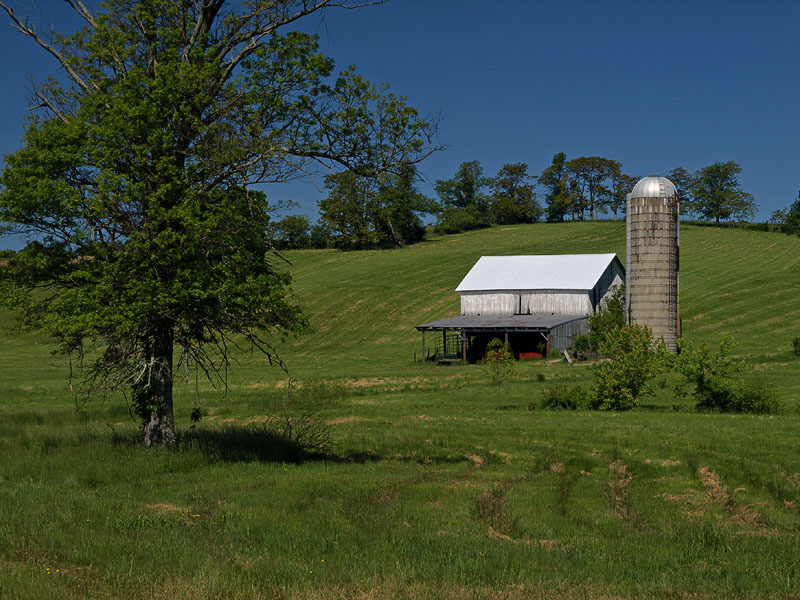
(429, 492)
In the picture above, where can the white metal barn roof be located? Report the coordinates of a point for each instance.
(536, 272)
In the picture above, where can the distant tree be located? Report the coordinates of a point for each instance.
(591, 173)
(464, 205)
(684, 184)
(373, 212)
(402, 206)
(500, 362)
(351, 211)
(513, 198)
(717, 194)
(293, 232)
(791, 224)
(556, 181)
(618, 189)
(778, 217)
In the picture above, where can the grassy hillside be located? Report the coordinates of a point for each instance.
(429, 492)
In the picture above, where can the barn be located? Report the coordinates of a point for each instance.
(535, 302)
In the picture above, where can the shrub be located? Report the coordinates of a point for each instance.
(796, 345)
(714, 375)
(582, 343)
(635, 359)
(564, 397)
(500, 362)
(755, 396)
(718, 381)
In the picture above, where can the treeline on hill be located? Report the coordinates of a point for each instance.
(389, 211)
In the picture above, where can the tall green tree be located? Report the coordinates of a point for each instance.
(791, 223)
(616, 194)
(718, 195)
(464, 204)
(351, 212)
(592, 174)
(374, 212)
(404, 206)
(558, 198)
(513, 198)
(133, 183)
(684, 183)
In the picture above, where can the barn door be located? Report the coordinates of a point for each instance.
(522, 304)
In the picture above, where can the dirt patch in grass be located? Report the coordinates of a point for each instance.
(618, 489)
(719, 495)
(166, 508)
(341, 420)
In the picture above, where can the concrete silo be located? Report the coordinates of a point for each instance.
(652, 243)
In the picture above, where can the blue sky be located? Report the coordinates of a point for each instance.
(654, 85)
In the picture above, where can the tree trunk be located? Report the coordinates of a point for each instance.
(160, 426)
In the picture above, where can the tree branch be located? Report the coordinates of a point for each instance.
(81, 9)
(48, 104)
(30, 31)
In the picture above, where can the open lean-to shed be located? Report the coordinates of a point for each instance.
(537, 303)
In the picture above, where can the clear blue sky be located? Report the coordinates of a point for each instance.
(654, 85)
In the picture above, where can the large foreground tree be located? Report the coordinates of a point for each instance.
(133, 184)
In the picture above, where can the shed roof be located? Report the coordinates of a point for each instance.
(536, 272)
(536, 322)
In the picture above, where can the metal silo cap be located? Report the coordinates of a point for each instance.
(653, 187)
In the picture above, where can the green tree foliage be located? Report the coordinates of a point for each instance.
(464, 205)
(616, 194)
(610, 315)
(373, 212)
(133, 183)
(635, 360)
(592, 173)
(684, 183)
(351, 212)
(717, 194)
(293, 232)
(556, 181)
(513, 198)
(718, 381)
(791, 223)
(500, 363)
(403, 206)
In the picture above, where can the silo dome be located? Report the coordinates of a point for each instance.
(654, 187)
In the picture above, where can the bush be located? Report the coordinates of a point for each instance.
(635, 360)
(582, 343)
(796, 345)
(718, 381)
(564, 397)
(755, 396)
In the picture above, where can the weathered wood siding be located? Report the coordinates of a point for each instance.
(563, 336)
(557, 302)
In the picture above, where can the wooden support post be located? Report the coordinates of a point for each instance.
(547, 348)
(506, 337)
(463, 345)
(423, 345)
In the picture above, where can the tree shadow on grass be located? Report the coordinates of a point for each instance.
(306, 440)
